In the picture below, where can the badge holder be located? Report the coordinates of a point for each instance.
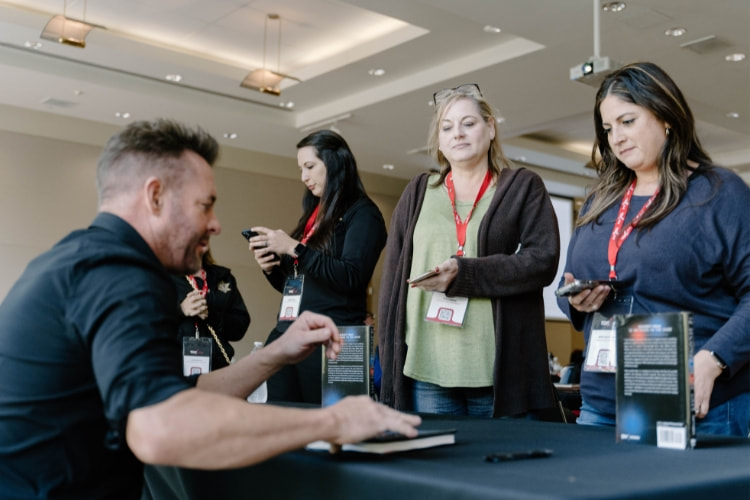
(196, 355)
(290, 301)
(447, 310)
(601, 349)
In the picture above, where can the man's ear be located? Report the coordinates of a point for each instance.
(154, 194)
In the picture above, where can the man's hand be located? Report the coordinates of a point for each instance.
(358, 417)
(308, 332)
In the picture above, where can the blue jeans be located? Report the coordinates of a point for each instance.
(432, 398)
(591, 416)
(731, 418)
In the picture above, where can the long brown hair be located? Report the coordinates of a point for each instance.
(647, 85)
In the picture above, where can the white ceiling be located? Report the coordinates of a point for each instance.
(424, 45)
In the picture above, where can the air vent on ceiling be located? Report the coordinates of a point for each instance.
(705, 44)
(58, 103)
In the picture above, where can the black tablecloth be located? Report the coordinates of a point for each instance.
(586, 464)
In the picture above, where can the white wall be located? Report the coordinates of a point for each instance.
(47, 189)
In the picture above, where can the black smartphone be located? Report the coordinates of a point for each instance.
(249, 233)
(577, 286)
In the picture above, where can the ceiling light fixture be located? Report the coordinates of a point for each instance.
(736, 57)
(675, 32)
(491, 29)
(68, 31)
(263, 79)
(614, 7)
(376, 72)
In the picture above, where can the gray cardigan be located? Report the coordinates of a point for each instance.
(520, 214)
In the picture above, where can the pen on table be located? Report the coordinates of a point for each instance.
(517, 455)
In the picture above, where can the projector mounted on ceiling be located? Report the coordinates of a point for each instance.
(595, 70)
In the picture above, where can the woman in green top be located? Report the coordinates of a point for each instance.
(468, 340)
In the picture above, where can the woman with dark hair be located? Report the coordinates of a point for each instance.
(672, 229)
(325, 264)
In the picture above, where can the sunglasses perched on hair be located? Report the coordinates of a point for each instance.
(470, 89)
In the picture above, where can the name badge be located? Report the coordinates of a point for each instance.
(290, 301)
(601, 351)
(447, 310)
(196, 355)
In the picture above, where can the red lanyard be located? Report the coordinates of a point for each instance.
(310, 227)
(461, 225)
(619, 236)
(204, 289)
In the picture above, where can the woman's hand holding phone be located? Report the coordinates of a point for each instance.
(584, 295)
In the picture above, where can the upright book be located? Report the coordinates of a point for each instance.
(654, 379)
(350, 373)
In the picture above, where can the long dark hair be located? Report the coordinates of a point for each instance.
(343, 186)
(647, 85)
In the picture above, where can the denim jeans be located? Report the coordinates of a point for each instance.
(731, 418)
(432, 398)
(591, 416)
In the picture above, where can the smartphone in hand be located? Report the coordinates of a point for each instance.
(249, 233)
(577, 286)
(424, 276)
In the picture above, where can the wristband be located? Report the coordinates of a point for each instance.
(719, 362)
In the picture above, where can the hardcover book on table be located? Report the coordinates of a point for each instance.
(654, 390)
(393, 442)
(351, 373)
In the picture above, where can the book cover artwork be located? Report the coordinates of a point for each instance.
(654, 380)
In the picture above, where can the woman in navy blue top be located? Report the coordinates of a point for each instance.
(673, 230)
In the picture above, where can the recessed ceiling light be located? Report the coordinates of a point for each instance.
(124, 115)
(174, 77)
(733, 114)
(230, 135)
(613, 6)
(736, 57)
(376, 72)
(78, 92)
(388, 166)
(500, 119)
(286, 104)
(491, 29)
(675, 31)
(33, 45)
